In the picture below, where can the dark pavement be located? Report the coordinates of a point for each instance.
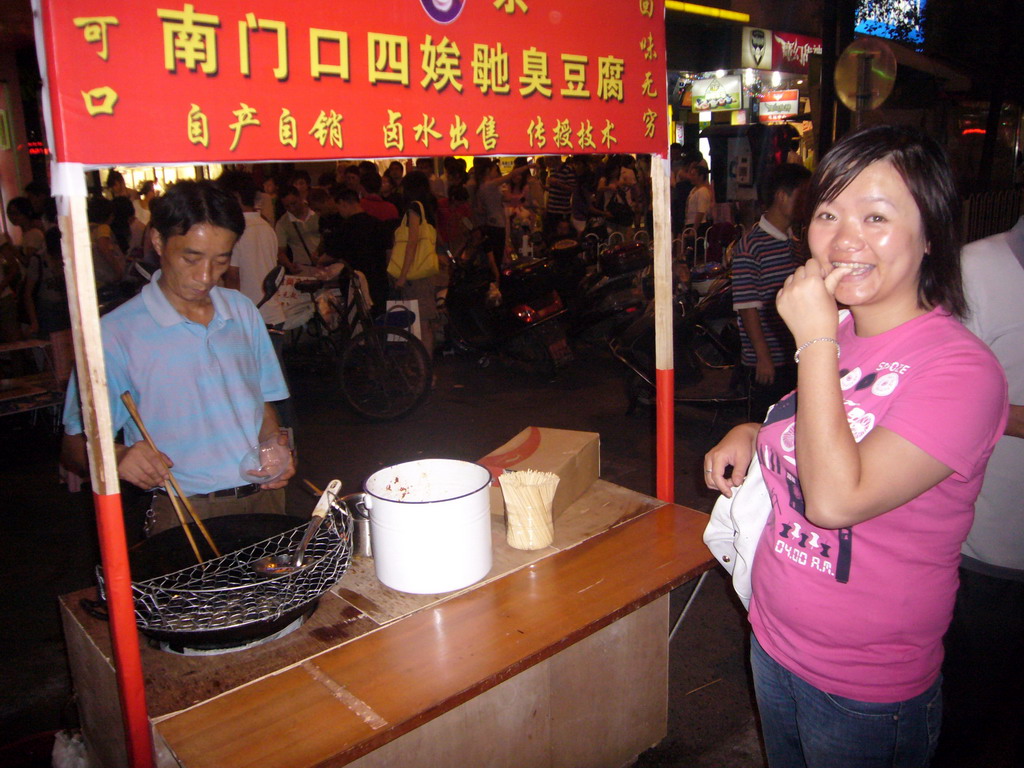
(50, 540)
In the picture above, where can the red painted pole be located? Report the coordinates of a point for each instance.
(70, 193)
(666, 441)
(664, 362)
(123, 632)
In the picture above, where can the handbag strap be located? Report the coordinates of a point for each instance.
(298, 231)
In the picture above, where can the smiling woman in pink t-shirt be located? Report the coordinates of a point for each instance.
(874, 470)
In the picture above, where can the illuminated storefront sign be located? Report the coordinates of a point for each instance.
(718, 94)
(776, 106)
(899, 18)
(234, 81)
(779, 51)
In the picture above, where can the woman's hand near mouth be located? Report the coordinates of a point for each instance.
(807, 302)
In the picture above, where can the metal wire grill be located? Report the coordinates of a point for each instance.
(227, 592)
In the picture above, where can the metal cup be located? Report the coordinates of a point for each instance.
(355, 505)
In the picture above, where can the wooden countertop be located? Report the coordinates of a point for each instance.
(384, 683)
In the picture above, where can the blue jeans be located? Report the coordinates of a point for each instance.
(804, 727)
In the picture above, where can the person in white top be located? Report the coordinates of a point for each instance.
(298, 232)
(698, 204)
(254, 255)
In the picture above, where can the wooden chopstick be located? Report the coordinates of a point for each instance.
(173, 488)
(184, 524)
(313, 488)
(188, 505)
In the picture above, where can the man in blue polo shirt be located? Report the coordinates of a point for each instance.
(199, 363)
(764, 258)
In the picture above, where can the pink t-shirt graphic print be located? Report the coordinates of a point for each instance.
(860, 612)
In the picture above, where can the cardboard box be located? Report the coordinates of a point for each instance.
(574, 456)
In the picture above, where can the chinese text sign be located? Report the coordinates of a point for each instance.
(249, 80)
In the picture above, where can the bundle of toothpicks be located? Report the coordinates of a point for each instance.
(528, 497)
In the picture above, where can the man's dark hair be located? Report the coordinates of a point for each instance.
(187, 204)
(239, 183)
(367, 166)
(370, 181)
(346, 195)
(287, 190)
(924, 167)
(301, 174)
(22, 205)
(318, 196)
(113, 177)
(98, 209)
(37, 188)
(783, 178)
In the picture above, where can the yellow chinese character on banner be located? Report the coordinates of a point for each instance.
(245, 116)
(574, 69)
(609, 78)
(394, 134)
(95, 31)
(457, 135)
(647, 89)
(100, 101)
(425, 131)
(650, 123)
(327, 129)
(488, 131)
(388, 58)
(585, 135)
(317, 67)
(606, 134)
(441, 64)
(287, 129)
(535, 74)
(198, 128)
(647, 46)
(190, 38)
(562, 134)
(490, 69)
(263, 25)
(647, 8)
(535, 133)
(510, 6)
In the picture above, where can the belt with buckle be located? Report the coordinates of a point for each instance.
(238, 492)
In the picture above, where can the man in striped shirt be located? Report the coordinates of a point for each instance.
(764, 258)
(560, 184)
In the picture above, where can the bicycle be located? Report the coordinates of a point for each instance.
(384, 372)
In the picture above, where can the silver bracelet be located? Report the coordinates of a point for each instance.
(806, 344)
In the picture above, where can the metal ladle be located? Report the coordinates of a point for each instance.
(276, 565)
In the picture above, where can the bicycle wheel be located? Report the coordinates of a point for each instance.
(385, 373)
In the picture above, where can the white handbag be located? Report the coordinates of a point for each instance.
(736, 525)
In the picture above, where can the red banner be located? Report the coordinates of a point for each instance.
(230, 81)
(791, 52)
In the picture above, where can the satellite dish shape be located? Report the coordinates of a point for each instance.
(865, 74)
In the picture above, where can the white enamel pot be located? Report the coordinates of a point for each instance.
(430, 524)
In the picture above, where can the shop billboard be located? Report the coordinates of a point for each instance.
(232, 81)
(718, 94)
(776, 106)
(779, 51)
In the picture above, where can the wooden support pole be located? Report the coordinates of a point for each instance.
(70, 193)
(664, 363)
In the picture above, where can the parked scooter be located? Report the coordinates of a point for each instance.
(706, 348)
(522, 319)
(615, 288)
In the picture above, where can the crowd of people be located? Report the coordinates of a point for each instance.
(873, 474)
